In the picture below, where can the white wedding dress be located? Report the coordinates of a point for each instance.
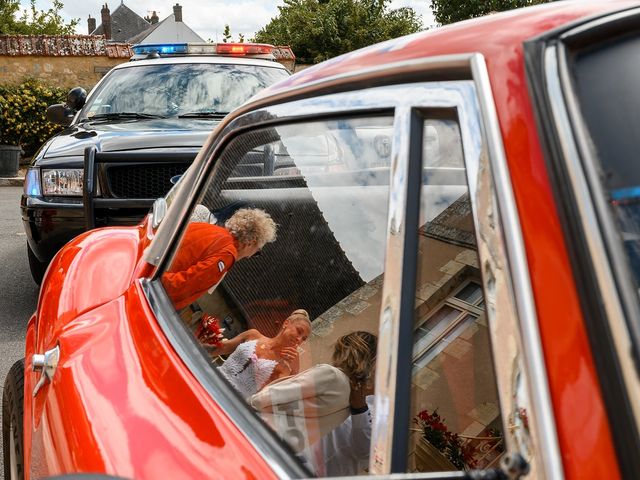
(245, 371)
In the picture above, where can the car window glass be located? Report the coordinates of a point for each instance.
(610, 105)
(179, 89)
(301, 318)
(456, 422)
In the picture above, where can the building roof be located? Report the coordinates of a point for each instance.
(167, 31)
(125, 24)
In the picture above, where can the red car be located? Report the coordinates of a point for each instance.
(465, 194)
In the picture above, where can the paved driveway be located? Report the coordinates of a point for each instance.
(18, 293)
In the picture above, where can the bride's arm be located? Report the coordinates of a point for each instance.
(228, 346)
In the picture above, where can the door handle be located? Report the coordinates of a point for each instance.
(46, 363)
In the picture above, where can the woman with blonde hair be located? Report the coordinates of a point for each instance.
(355, 355)
(256, 360)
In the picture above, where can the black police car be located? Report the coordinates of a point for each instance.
(140, 126)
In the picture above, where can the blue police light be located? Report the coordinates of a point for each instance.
(162, 48)
(32, 183)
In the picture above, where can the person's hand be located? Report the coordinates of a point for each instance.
(289, 353)
(357, 397)
(358, 394)
(289, 357)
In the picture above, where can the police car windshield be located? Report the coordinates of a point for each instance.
(179, 89)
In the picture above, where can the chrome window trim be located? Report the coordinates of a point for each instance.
(382, 432)
(594, 219)
(379, 72)
(503, 250)
(511, 239)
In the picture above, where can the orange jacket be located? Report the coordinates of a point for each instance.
(205, 254)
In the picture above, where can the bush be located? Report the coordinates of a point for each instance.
(23, 114)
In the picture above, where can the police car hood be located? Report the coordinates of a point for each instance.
(129, 135)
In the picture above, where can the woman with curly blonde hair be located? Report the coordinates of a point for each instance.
(207, 252)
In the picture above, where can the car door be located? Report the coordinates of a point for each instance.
(389, 221)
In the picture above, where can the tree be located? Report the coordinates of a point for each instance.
(320, 29)
(226, 34)
(34, 21)
(8, 11)
(450, 11)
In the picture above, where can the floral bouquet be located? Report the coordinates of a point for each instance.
(209, 332)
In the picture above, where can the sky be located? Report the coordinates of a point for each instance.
(243, 16)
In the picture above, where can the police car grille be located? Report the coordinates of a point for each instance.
(143, 181)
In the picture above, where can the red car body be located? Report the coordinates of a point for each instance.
(106, 411)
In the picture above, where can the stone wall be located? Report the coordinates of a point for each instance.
(57, 71)
(64, 61)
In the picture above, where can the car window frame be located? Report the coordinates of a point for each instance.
(608, 303)
(501, 247)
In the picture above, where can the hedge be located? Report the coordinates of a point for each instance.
(23, 109)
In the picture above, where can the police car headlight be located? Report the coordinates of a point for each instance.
(67, 182)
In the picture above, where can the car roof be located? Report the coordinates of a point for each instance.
(494, 36)
(210, 59)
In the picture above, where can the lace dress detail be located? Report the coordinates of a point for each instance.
(246, 372)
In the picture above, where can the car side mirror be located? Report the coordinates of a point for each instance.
(60, 114)
(159, 211)
(76, 98)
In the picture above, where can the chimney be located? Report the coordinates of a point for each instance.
(106, 22)
(92, 24)
(154, 18)
(177, 12)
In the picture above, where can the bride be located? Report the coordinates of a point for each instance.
(256, 360)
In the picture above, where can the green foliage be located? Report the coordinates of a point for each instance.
(22, 114)
(226, 34)
(34, 21)
(320, 29)
(8, 11)
(227, 37)
(450, 11)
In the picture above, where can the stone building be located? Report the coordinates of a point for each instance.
(125, 25)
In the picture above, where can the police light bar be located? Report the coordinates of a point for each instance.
(203, 49)
(244, 48)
